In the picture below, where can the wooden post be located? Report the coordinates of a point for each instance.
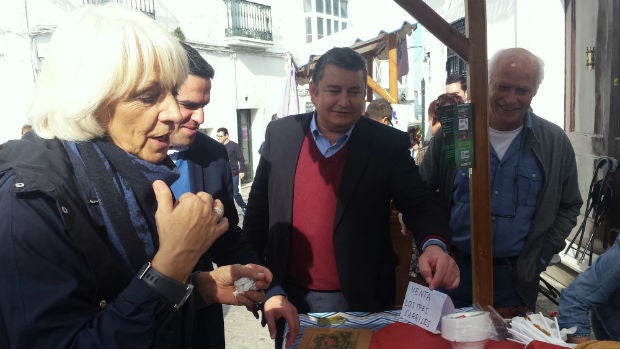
(480, 197)
(473, 49)
(393, 62)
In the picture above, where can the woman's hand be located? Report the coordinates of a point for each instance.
(186, 230)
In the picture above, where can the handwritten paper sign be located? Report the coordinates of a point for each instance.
(424, 308)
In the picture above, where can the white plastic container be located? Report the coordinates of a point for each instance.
(468, 330)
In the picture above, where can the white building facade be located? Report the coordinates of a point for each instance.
(244, 41)
(250, 44)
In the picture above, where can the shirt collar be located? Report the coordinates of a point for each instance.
(316, 134)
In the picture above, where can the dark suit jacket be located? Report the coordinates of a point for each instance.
(378, 169)
(209, 171)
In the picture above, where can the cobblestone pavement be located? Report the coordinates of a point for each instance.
(243, 331)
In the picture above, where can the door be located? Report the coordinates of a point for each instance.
(244, 135)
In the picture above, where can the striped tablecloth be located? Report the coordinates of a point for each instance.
(373, 321)
(397, 333)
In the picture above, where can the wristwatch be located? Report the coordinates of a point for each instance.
(176, 292)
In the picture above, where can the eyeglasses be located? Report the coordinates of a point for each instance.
(220, 136)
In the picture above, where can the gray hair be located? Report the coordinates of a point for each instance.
(522, 55)
(97, 57)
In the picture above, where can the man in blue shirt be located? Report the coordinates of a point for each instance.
(534, 191)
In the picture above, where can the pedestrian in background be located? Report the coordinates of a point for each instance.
(441, 101)
(380, 110)
(237, 164)
(457, 83)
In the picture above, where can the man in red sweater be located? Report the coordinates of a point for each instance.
(319, 207)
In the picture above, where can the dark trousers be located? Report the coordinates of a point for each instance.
(236, 194)
(504, 283)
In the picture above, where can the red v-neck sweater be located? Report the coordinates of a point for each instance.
(312, 262)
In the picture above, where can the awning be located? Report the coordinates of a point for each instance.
(370, 46)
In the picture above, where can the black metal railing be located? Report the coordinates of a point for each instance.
(146, 6)
(249, 20)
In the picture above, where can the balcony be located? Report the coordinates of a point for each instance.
(146, 6)
(249, 24)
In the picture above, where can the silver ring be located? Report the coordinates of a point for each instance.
(219, 211)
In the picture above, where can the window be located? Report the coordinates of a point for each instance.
(324, 18)
(319, 6)
(336, 4)
(454, 63)
(308, 29)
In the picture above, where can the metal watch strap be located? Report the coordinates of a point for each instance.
(176, 292)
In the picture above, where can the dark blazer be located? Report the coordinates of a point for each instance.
(209, 171)
(61, 276)
(377, 171)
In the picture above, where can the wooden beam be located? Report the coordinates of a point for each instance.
(370, 67)
(374, 86)
(473, 49)
(393, 64)
(480, 197)
(438, 26)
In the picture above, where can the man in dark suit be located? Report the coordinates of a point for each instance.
(319, 207)
(203, 165)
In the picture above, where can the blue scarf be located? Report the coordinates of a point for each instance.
(133, 192)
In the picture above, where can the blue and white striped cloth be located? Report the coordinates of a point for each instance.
(373, 321)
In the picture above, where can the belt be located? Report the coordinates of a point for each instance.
(496, 261)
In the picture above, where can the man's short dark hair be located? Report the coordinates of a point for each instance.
(224, 130)
(452, 78)
(342, 57)
(197, 64)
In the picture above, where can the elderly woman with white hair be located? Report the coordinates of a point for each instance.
(94, 251)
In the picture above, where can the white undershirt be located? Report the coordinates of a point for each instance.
(501, 140)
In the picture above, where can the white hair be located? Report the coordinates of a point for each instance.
(522, 54)
(97, 57)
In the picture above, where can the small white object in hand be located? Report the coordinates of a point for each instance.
(243, 284)
(219, 211)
